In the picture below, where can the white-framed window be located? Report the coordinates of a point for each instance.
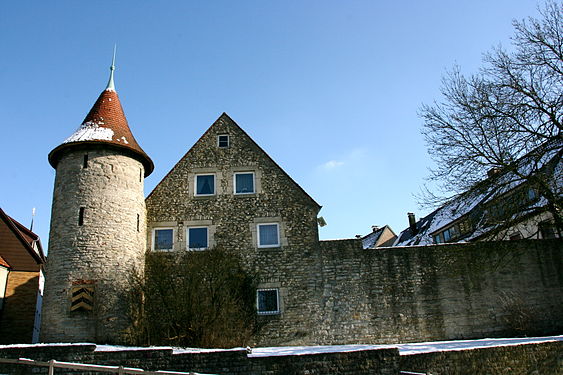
(244, 183)
(268, 301)
(204, 184)
(197, 238)
(223, 141)
(163, 239)
(268, 235)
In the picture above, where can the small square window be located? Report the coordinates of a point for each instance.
(244, 183)
(163, 239)
(268, 235)
(205, 184)
(223, 141)
(198, 238)
(267, 301)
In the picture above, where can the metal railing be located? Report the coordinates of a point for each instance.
(52, 364)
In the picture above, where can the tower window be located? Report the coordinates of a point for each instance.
(81, 216)
(140, 175)
(138, 220)
(85, 161)
(223, 141)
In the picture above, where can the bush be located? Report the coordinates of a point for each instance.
(193, 298)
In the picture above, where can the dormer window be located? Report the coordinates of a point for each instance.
(204, 184)
(223, 141)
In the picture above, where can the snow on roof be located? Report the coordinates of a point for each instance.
(369, 240)
(91, 131)
(486, 191)
(404, 349)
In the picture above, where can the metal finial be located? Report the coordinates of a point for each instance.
(111, 85)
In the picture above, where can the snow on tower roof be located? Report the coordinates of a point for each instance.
(105, 124)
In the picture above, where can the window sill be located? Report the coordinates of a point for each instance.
(205, 196)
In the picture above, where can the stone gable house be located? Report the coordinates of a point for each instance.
(227, 192)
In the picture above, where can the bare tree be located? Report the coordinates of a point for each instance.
(193, 298)
(510, 111)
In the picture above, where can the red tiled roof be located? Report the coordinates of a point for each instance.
(105, 123)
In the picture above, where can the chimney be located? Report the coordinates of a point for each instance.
(412, 222)
(374, 228)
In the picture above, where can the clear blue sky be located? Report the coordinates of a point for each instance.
(330, 89)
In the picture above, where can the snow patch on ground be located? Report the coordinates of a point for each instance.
(404, 349)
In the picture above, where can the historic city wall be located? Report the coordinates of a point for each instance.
(534, 358)
(438, 292)
(413, 294)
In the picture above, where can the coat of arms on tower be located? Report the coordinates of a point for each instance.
(82, 296)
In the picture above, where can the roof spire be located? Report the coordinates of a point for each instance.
(111, 85)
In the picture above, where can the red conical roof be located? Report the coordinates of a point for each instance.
(104, 124)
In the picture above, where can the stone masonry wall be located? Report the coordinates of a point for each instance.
(224, 362)
(538, 359)
(439, 292)
(103, 253)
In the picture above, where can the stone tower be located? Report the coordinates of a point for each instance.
(98, 233)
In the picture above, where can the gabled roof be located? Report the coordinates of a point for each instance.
(230, 121)
(488, 190)
(370, 241)
(15, 234)
(105, 124)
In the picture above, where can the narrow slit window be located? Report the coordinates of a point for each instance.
(85, 161)
(81, 216)
(141, 175)
(138, 220)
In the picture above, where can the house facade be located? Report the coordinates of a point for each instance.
(227, 192)
(21, 282)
